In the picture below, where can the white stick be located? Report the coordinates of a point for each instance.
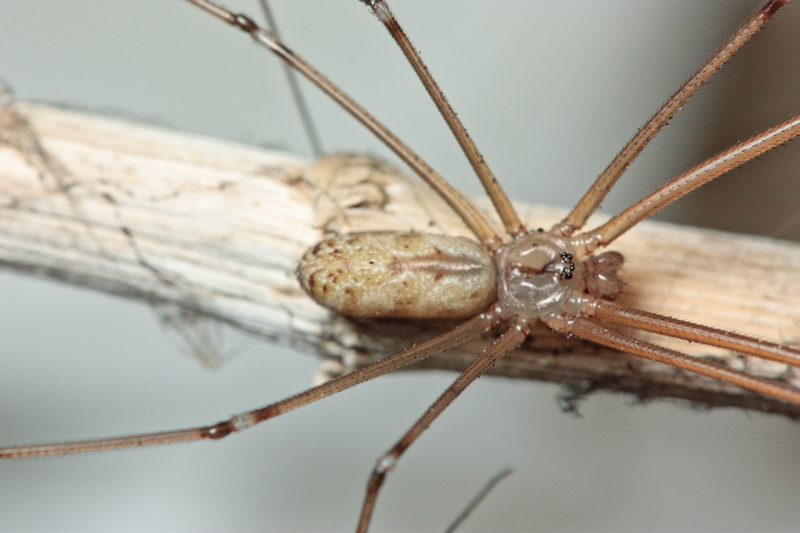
(217, 229)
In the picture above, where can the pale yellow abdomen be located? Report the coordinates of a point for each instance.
(388, 274)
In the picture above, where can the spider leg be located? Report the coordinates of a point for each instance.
(499, 199)
(586, 329)
(468, 214)
(240, 422)
(693, 178)
(605, 182)
(627, 316)
(503, 345)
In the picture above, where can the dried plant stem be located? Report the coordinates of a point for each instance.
(217, 229)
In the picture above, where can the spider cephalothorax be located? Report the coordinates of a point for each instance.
(538, 274)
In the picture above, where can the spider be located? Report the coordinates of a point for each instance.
(123, 428)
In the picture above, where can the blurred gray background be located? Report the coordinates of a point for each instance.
(550, 91)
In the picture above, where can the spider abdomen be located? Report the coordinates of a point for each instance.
(391, 274)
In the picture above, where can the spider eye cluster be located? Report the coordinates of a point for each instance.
(537, 274)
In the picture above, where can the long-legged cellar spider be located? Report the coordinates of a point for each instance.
(563, 500)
